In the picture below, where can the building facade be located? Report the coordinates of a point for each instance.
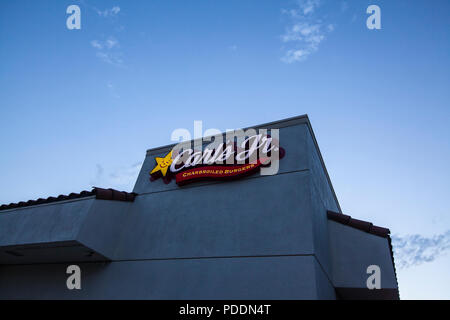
(257, 236)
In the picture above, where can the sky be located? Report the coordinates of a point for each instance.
(79, 108)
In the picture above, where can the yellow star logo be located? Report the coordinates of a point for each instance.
(163, 164)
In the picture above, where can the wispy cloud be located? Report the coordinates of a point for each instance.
(306, 31)
(111, 43)
(96, 44)
(108, 12)
(308, 6)
(122, 178)
(105, 51)
(108, 50)
(412, 250)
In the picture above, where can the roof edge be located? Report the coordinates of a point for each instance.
(362, 225)
(99, 193)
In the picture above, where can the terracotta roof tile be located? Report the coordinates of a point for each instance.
(99, 193)
(358, 224)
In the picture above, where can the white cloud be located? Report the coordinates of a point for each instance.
(412, 250)
(305, 33)
(295, 55)
(110, 57)
(111, 42)
(115, 10)
(309, 33)
(108, 12)
(96, 44)
(304, 8)
(108, 50)
(308, 6)
(105, 52)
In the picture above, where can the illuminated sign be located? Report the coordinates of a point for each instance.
(223, 161)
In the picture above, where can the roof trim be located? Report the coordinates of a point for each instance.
(99, 193)
(358, 224)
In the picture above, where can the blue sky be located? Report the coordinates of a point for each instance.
(80, 107)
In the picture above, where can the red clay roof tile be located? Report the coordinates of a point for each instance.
(99, 193)
(358, 224)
